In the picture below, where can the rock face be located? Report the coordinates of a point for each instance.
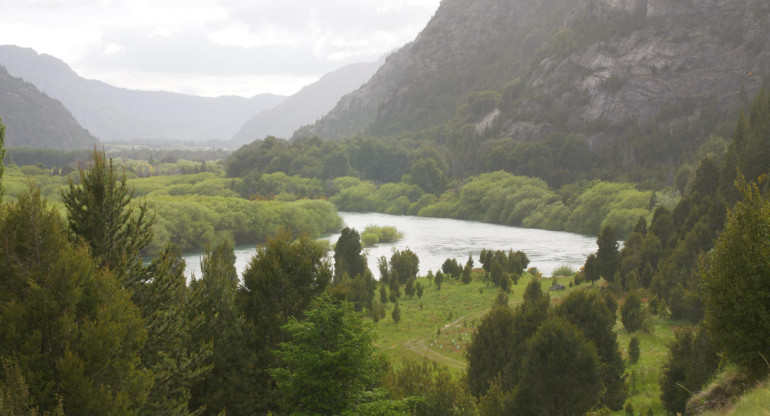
(573, 62)
(117, 114)
(32, 119)
(306, 106)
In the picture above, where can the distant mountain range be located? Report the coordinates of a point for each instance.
(117, 114)
(306, 106)
(33, 119)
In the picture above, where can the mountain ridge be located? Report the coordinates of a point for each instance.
(33, 119)
(118, 114)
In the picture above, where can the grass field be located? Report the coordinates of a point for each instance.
(439, 326)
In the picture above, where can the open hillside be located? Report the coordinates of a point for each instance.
(117, 114)
(34, 119)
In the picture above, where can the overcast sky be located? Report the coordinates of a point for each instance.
(212, 47)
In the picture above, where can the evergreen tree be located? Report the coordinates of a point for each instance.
(396, 313)
(737, 282)
(633, 349)
(691, 362)
(72, 327)
(174, 356)
(2, 156)
(467, 270)
(281, 279)
(227, 386)
(99, 211)
(631, 312)
(607, 257)
(588, 311)
(560, 372)
(348, 255)
(329, 360)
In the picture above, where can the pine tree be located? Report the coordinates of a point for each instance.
(2, 157)
(72, 326)
(226, 386)
(99, 211)
(175, 358)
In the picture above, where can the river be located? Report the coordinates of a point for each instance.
(436, 239)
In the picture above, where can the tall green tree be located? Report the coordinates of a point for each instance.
(348, 254)
(560, 372)
(99, 211)
(72, 327)
(607, 258)
(2, 156)
(227, 386)
(176, 359)
(737, 282)
(284, 275)
(330, 362)
(589, 312)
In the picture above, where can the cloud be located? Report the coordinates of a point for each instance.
(197, 45)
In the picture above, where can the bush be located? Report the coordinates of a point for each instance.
(564, 271)
(631, 312)
(633, 349)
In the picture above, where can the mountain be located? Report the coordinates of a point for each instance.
(306, 106)
(589, 66)
(117, 114)
(32, 119)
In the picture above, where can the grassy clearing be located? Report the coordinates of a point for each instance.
(754, 403)
(440, 325)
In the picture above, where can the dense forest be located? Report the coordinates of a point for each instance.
(99, 318)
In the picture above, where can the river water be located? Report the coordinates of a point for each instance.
(436, 239)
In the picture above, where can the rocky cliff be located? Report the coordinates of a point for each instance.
(565, 64)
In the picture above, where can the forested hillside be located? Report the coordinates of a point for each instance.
(591, 84)
(36, 120)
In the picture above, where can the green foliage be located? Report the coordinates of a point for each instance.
(607, 259)
(736, 280)
(348, 255)
(631, 313)
(374, 235)
(284, 275)
(213, 299)
(14, 393)
(396, 313)
(329, 360)
(99, 211)
(431, 387)
(175, 358)
(587, 310)
(2, 156)
(404, 265)
(71, 325)
(633, 349)
(560, 370)
(691, 361)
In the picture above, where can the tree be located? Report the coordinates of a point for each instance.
(396, 313)
(631, 312)
(174, 356)
(348, 255)
(591, 269)
(691, 362)
(405, 264)
(426, 174)
(633, 349)
(491, 349)
(737, 282)
(438, 279)
(213, 296)
(281, 279)
(607, 258)
(14, 393)
(467, 270)
(2, 156)
(330, 362)
(561, 369)
(588, 311)
(99, 211)
(73, 328)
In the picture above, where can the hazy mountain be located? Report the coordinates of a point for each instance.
(113, 113)
(33, 119)
(307, 105)
(561, 65)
